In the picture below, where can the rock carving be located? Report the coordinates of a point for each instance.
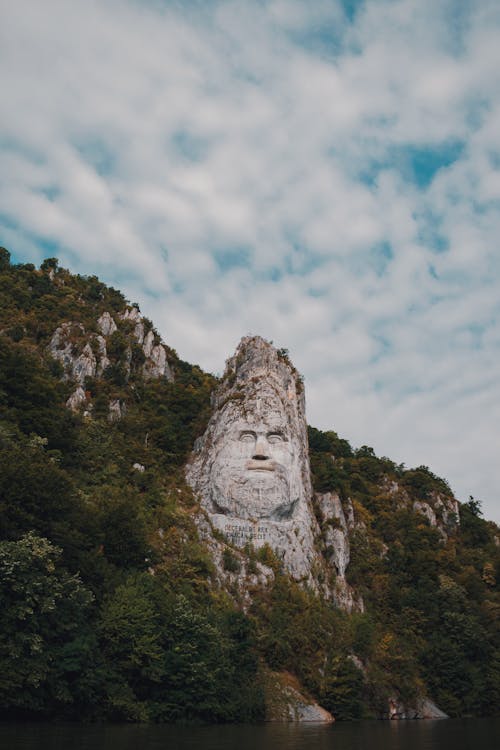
(251, 473)
(251, 467)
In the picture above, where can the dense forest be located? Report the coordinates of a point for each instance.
(109, 606)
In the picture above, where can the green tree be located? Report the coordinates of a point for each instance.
(130, 639)
(342, 689)
(44, 639)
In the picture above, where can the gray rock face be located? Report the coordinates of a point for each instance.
(337, 521)
(336, 532)
(76, 399)
(78, 361)
(131, 313)
(287, 703)
(103, 362)
(426, 510)
(251, 468)
(106, 324)
(117, 410)
(423, 709)
(303, 712)
(156, 364)
(148, 341)
(85, 365)
(139, 332)
(84, 354)
(441, 511)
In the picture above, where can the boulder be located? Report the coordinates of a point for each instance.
(286, 701)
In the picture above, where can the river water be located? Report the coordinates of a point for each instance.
(459, 734)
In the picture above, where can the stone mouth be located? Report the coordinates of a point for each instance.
(256, 465)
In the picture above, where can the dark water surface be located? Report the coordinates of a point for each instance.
(463, 734)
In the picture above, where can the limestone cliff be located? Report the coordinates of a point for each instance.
(86, 354)
(337, 521)
(441, 510)
(251, 473)
(250, 468)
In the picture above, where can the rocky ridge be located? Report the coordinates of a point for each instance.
(441, 510)
(87, 354)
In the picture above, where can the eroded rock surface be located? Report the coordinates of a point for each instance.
(70, 347)
(440, 510)
(286, 701)
(156, 363)
(422, 709)
(76, 399)
(336, 522)
(106, 324)
(84, 354)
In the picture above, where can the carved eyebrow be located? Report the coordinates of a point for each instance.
(276, 433)
(250, 433)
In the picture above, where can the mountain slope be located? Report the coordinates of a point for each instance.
(112, 605)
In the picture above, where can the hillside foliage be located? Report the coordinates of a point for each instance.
(109, 607)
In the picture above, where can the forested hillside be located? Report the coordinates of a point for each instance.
(110, 607)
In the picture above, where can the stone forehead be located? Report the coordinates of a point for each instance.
(259, 384)
(271, 421)
(265, 404)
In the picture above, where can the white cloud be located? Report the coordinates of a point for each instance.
(151, 142)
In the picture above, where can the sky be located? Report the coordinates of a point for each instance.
(324, 174)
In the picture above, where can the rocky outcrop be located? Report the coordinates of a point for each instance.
(426, 510)
(286, 701)
(335, 530)
(85, 365)
(423, 709)
(72, 349)
(251, 467)
(251, 473)
(156, 363)
(103, 361)
(106, 324)
(77, 399)
(336, 520)
(117, 410)
(85, 354)
(440, 510)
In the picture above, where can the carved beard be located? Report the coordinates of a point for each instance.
(252, 494)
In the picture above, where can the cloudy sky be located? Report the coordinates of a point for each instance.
(325, 174)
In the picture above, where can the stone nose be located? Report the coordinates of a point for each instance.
(261, 449)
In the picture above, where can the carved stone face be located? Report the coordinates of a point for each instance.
(255, 472)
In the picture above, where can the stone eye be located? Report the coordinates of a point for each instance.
(247, 437)
(274, 437)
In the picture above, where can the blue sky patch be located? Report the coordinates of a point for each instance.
(380, 256)
(51, 192)
(430, 234)
(98, 154)
(421, 164)
(324, 41)
(229, 258)
(189, 146)
(271, 274)
(351, 8)
(416, 164)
